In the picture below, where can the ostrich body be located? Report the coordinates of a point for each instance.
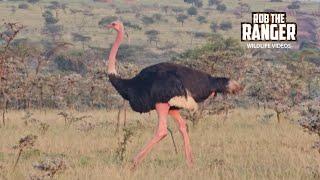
(167, 88)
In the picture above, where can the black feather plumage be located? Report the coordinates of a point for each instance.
(161, 82)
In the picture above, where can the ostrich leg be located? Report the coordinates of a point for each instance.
(183, 130)
(162, 111)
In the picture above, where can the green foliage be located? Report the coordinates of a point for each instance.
(56, 5)
(80, 38)
(192, 11)
(177, 10)
(213, 2)
(49, 18)
(217, 44)
(157, 17)
(122, 148)
(181, 18)
(31, 154)
(225, 25)
(221, 7)
(33, 1)
(107, 20)
(294, 5)
(23, 6)
(84, 160)
(214, 26)
(67, 64)
(202, 19)
(197, 3)
(132, 25)
(54, 30)
(152, 35)
(147, 20)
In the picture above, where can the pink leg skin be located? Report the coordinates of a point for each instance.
(183, 130)
(162, 110)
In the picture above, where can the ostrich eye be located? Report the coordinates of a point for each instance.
(113, 24)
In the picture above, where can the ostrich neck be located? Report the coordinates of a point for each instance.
(113, 53)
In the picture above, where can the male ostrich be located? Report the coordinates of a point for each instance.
(167, 88)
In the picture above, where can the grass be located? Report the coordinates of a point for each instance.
(240, 147)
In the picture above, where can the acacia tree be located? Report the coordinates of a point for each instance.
(50, 26)
(153, 36)
(181, 18)
(221, 7)
(192, 11)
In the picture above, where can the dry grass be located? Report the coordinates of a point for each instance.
(241, 147)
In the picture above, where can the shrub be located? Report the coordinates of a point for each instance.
(147, 20)
(129, 24)
(23, 6)
(294, 5)
(49, 18)
(157, 17)
(221, 7)
(107, 20)
(214, 26)
(181, 18)
(67, 64)
(202, 19)
(192, 11)
(213, 2)
(177, 10)
(33, 1)
(225, 26)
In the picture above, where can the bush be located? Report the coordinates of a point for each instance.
(67, 64)
(177, 10)
(213, 2)
(202, 19)
(214, 26)
(181, 18)
(157, 17)
(152, 35)
(225, 26)
(294, 5)
(49, 18)
(23, 6)
(192, 11)
(107, 20)
(221, 7)
(147, 20)
(129, 24)
(33, 1)
(269, 10)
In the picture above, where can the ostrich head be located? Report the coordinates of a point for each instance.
(116, 25)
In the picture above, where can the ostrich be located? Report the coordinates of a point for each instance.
(166, 88)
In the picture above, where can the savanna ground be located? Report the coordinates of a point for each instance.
(247, 144)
